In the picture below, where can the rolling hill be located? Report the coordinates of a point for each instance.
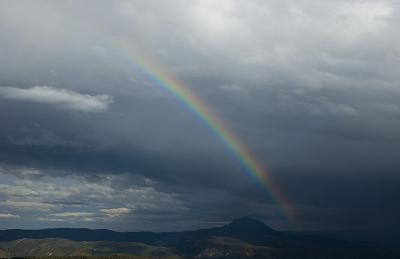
(62, 247)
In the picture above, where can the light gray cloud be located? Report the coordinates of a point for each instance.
(70, 217)
(74, 199)
(116, 212)
(58, 97)
(8, 216)
(27, 205)
(72, 214)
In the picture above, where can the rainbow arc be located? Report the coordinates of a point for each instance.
(217, 126)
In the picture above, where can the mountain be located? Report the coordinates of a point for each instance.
(80, 234)
(242, 238)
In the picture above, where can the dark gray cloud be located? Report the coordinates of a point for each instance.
(89, 139)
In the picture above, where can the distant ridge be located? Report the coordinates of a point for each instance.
(238, 227)
(76, 234)
(236, 239)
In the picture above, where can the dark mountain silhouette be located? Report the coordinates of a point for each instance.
(242, 238)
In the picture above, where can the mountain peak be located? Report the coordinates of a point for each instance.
(246, 220)
(248, 224)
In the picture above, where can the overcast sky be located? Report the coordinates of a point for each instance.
(88, 139)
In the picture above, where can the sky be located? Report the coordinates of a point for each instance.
(90, 138)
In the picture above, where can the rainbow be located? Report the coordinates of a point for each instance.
(217, 126)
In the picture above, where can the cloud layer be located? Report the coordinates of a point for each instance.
(58, 97)
(311, 88)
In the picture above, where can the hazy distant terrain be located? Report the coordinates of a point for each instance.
(243, 238)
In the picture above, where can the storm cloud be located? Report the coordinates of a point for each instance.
(89, 139)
